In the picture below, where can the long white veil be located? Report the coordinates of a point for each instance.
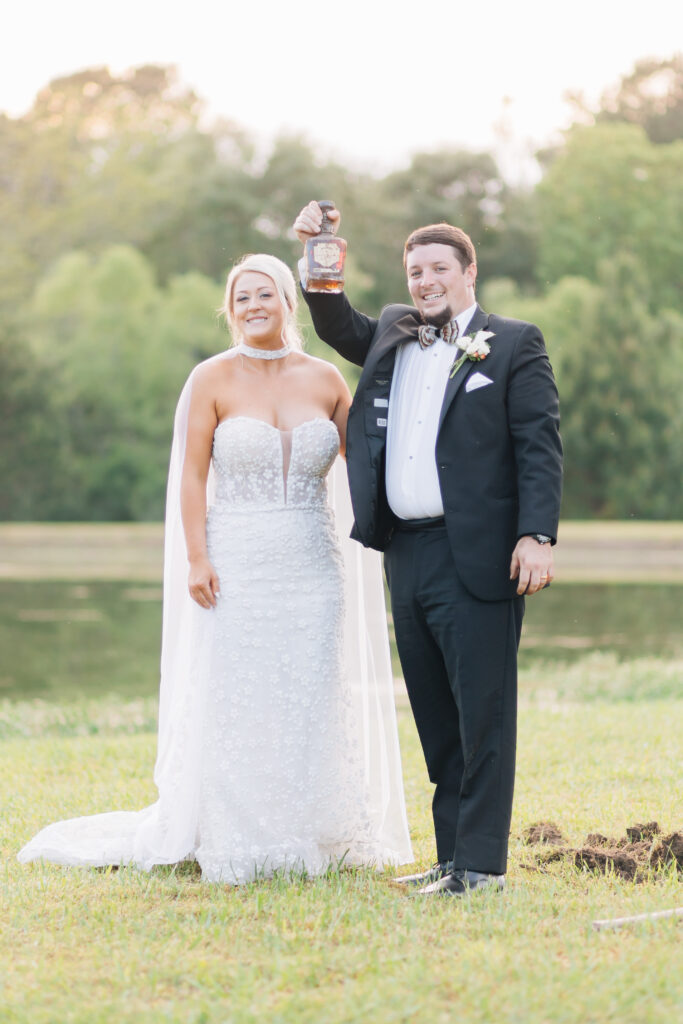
(166, 831)
(368, 667)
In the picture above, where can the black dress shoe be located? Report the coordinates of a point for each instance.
(436, 872)
(459, 882)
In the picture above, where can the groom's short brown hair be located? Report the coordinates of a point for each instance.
(443, 234)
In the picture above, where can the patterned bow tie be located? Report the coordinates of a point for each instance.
(427, 333)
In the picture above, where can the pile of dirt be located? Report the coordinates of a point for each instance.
(640, 851)
(544, 832)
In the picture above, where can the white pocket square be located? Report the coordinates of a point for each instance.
(477, 380)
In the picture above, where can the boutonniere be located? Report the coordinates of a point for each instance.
(476, 349)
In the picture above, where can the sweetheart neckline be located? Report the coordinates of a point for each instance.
(256, 419)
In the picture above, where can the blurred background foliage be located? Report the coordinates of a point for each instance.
(121, 210)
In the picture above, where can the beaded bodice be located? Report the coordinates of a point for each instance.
(259, 467)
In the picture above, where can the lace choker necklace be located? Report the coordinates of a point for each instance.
(263, 353)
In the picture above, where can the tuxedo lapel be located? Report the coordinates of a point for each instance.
(479, 322)
(402, 330)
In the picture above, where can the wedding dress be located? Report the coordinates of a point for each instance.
(277, 734)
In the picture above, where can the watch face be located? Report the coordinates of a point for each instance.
(541, 538)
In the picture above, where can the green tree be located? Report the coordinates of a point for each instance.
(611, 192)
(456, 186)
(116, 349)
(100, 160)
(619, 370)
(31, 438)
(652, 96)
(211, 208)
(448, 185)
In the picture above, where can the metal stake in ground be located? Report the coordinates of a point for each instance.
(619, 922)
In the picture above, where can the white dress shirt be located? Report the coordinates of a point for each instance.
(416, 397)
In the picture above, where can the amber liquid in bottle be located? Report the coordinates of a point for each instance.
(324, 257)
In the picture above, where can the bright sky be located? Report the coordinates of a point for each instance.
(367, 82)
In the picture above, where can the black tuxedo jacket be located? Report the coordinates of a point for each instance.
(498, 448)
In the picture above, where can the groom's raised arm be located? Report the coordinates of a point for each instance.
(335, 320)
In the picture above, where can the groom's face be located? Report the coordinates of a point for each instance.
(438, 285)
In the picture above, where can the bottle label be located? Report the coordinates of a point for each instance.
(327, 254)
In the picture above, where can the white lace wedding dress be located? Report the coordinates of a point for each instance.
(282, 781)
(272, 754)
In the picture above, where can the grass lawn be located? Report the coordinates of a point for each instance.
(591, 551)
(96, 946)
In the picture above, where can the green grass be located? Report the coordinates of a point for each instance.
(95, 946)
(590, 551)
(599, 748)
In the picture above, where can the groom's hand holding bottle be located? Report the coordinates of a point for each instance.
(309, 222)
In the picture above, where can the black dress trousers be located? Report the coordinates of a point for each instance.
(459, 660)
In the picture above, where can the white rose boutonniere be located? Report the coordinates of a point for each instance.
(475, 349)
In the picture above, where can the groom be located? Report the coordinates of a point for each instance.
(455, 469)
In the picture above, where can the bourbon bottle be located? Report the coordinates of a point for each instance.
(324, 256)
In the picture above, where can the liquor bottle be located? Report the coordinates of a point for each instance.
(324, 256)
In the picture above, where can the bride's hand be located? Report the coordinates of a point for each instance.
(203, 583)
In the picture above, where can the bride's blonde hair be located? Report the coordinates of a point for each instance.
(285, 286)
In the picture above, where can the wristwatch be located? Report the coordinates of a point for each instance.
(542, 538)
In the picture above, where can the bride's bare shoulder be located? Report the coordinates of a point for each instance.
(215, 368)
(320, 368)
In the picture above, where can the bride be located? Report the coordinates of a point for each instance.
(277, 742)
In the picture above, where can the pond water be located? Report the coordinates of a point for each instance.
(59, 641)
(632, 620)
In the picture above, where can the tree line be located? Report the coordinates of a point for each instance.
(121, 212)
